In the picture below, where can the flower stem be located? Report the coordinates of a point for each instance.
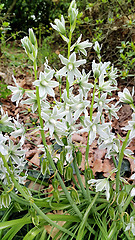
(120, 161)
(91, 112)
(39, 107)
(92, 102)
(69, 45)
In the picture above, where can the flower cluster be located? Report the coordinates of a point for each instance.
(74, 112)
(13, 153)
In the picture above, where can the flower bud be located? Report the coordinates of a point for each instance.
(96, 74)
(64, 140)
(112, 213)
(68, 173)
(72, 13)
(122, 195)
(62, 156)
(6, 200)
(44, 166)
(60, 166)
(55, 183)
(79, 158)
(34, 217)
(89, 173)
(56, 195)
(75, 196)
(32, 36)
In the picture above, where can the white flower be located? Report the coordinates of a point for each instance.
(17, 92)
(126, 97)
(97, 47)
(131, 225)
(79, 105)
(101, 184)
(51, 118)
(4, 119)
(132, 177)
(45, 84)
(101, 102)
(112, 110)
(131, 127)
(2, 144)
(83, 82)
(60, 25)
(32, 100)
(15, 152)
(105, 86)
(70, 68)
(93, 127)
(99, 68)
(19, 130)
(113, 75)
(107, 140)
(132, 193)
(80, 47)
(65, 105)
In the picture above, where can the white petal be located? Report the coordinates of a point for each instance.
(72, 58)
(63, 59)
(132, 193)
(62, 71)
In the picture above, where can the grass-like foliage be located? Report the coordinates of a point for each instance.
(93, 208)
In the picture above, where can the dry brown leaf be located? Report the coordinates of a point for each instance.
(53, 231)
(35, 160)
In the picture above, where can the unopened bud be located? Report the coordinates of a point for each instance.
(44, 166)
(79, 158)
(32, 36)
(96, 74)
(55, 183)
(68, 173)
(75, 196)
(122, 195)
(56, 195)
(6, 200)
(60, 166)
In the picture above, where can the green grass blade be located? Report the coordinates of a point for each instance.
(12, 223)
(43, 236)
(84, 220)
(33, 233)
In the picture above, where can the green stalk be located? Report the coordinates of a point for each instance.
(91, 112)
(39, 106)
(69, 45)
(67, 87)
(60, 91)
(120, 161)
(92, 102)
(87, 147)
